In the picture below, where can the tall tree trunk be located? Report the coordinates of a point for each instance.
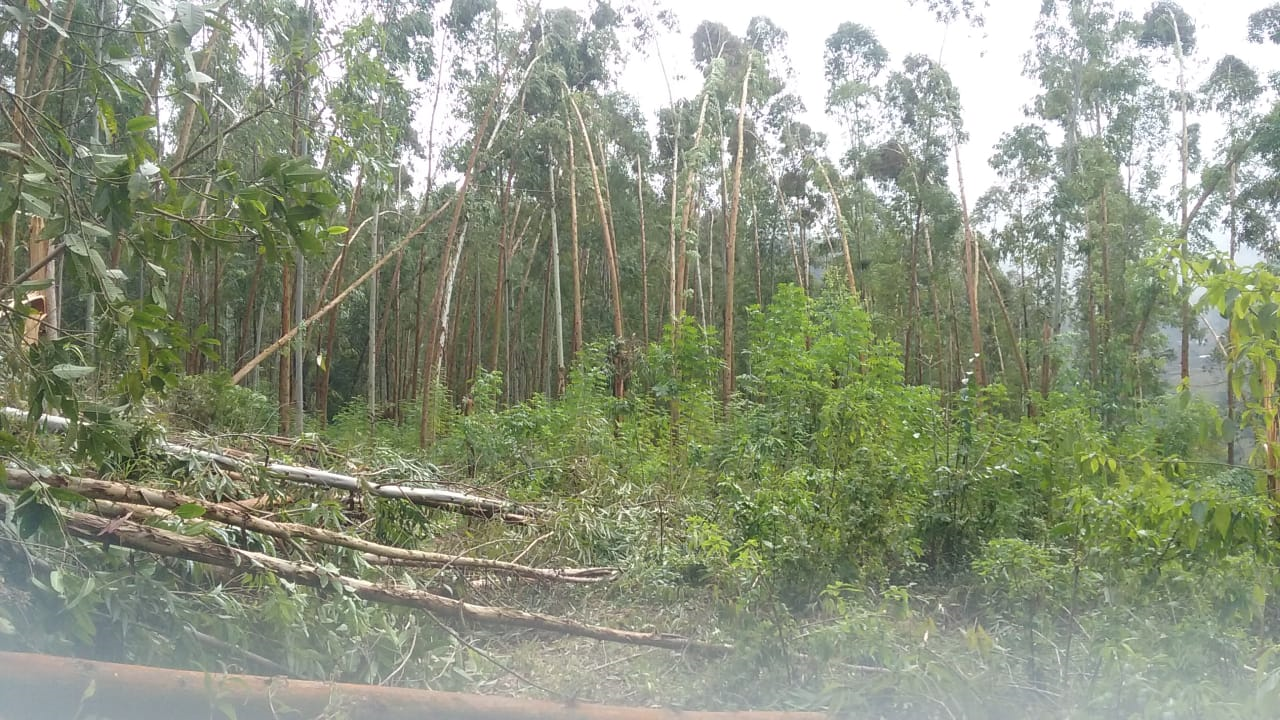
(755, 237)
(644, 254)
(322, 381)
(691, 186)
(611, 257)
(426, 429)
(943, 356)
(541, 375)
(913, 293)
(506, 226)
(731, 246)
(1023, 371)
(575, 344)
(555, 279)
(1232, 245)
(1185, 158)
(284, 393)
(971, 277)
(844, 232)
(448, 296)
(371, 383)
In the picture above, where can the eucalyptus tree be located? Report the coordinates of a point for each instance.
(1166, 26)
(1232, 90)
(1019, 212)
(800, 198)
(853, 60)
(1068, 60)
(922, 108)
(369, 112)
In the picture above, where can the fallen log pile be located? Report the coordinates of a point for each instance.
(142, 498)
(439, 498)
(137, 536)
(36, 687)
(161, 521)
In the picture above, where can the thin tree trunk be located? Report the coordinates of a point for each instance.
(506, 226)
(371, 384)
(644, 253)
(672, 230)
(844, 233)
(945, 373)
(540, 379)
(1023, 371)
(555, 280)
(448, 297)
(1232, 245)
(913, 293)
(691, 185)
(426, 430)
(284, 393)
(611, 256)
(971, 278)
(1184, 156)
(731, 246)
(755, 236)
(575, 344)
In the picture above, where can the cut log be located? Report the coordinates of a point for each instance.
(129, 534)
(47, 686)
(462, 503)
(229, 514)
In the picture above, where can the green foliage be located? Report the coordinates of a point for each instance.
(212, 402)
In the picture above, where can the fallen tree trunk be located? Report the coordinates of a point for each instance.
(47, 686)
(432, 497)
(136, 536)
(97, 489)
(462, 503)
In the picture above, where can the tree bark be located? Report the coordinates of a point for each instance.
(610, 251)
(47, 686)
